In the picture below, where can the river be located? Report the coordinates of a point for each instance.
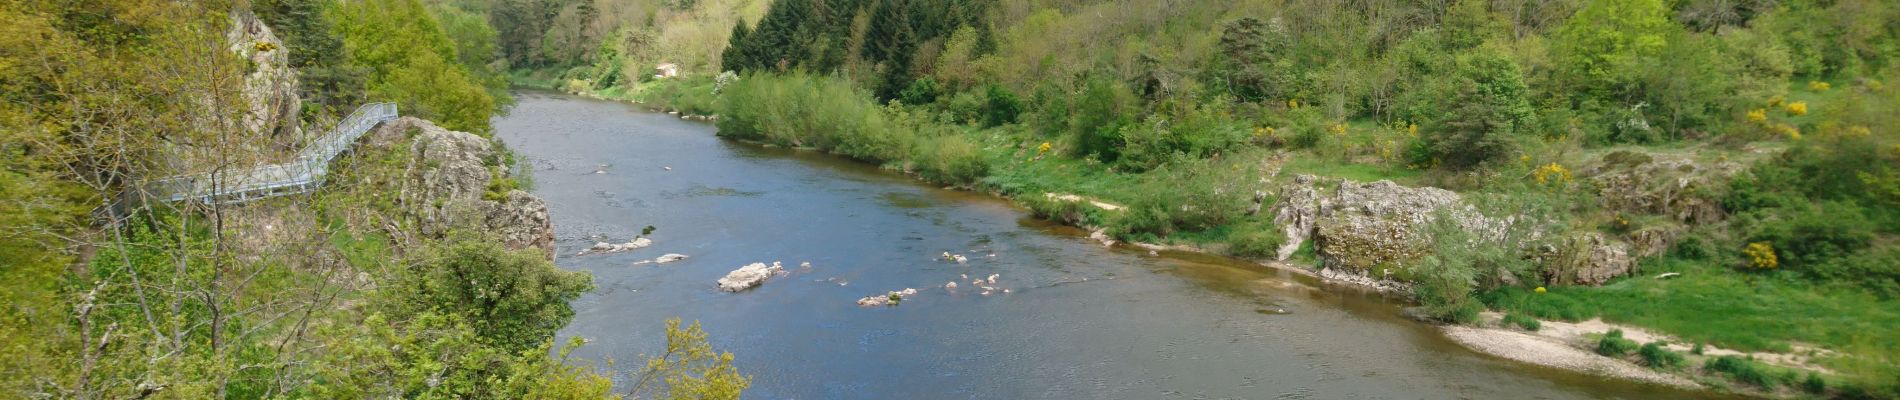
(1079, 320)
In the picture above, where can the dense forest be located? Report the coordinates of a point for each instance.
(344, 292)
(1745, 152)
(1773, 120)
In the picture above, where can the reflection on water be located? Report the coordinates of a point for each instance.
(1078, 320)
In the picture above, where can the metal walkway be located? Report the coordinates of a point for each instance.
(303, 175)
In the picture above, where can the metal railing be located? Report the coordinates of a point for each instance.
(304, 174)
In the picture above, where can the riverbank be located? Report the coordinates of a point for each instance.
(1575, 349)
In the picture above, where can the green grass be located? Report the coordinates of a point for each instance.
(1305, 164)
(1732, 309)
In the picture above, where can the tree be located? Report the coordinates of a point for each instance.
(1604, 48)
(1489, 105)
(514, 299)
(689, 368)
(413, 62)
(737, 57)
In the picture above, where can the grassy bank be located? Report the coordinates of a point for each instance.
(1203, 201)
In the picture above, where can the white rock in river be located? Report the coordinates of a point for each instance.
(604, 247)
(747, 277)
(670, 257)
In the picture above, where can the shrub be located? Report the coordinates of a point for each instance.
(1194, 132)
(1185, 196)
(921, 91)
(1002, 107)
(949, 159)
(1814, 384)
(1522, 321)
(1064, 211)
(1256, 239)
(1097, 119)
(1656, 356)
(1743, 370)
(1614, 345)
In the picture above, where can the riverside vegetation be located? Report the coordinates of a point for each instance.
(1774, 120)
(374, 286)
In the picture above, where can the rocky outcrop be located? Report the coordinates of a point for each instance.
(270, 90)
(1360, 226)
(1682, 189)
(1361, 230)
(669, 257)
(1585, 259)
(446, 185)
(748, 277)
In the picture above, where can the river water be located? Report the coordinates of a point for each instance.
(1079, 320)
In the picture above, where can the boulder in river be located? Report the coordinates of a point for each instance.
(748, 277)
(669, 257)
(887, 299)
(604, 247)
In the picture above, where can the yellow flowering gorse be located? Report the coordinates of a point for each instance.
(1758, 115)
(1761, 255)
(1551, 173)
(1798, 108)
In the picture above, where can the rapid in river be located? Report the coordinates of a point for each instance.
(1079, 320)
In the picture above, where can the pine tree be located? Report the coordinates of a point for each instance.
(736, 57)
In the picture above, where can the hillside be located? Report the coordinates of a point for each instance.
(1721, 172)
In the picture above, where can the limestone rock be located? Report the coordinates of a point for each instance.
(1586, 259)
(1684, 190)
(446, 185)
(747, 277)
(271, 88)
(669, 257)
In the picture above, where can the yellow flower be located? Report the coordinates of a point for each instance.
(1540, 289)
(1761, 255)
(1786, 130)
(1259, 131)
(1044, 148)
(1412, 130)
(1551, 173)
(264, 47)
(1798, 108)
(1775, 101)
(1338, 128)
(1524, 158)
(1291, 103)
(1758, 115)
(1819, 86)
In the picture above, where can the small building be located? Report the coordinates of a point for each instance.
(667, 70)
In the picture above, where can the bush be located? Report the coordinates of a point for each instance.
(1522, 321)
(1097, 119)
(1002, 107)
(1187, 196)
(1074, 213)
(949, 159)
(1256, 239)
(1814, 384)
(1614, 345)
(514, 298)
(1743, 370)
(1195, 132)
(1656, 356)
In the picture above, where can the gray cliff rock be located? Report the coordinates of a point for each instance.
(447, 181)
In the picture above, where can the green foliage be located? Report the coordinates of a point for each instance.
(1097, 118)
(1614, 345)
(1000, 106)
(441, 356)
(411, 60)
(1489, 106)
(1256, 238)
(1656, 356)
(1190, 196)
(1188, 132)
(1743, 370)
(316, 51)
(689, 369)
(1251, 65)
(1605, 46)
(921, 91)
(1814, 384)
(1522, 321)
(1459, 264)
(828, 114)
(512, 299)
